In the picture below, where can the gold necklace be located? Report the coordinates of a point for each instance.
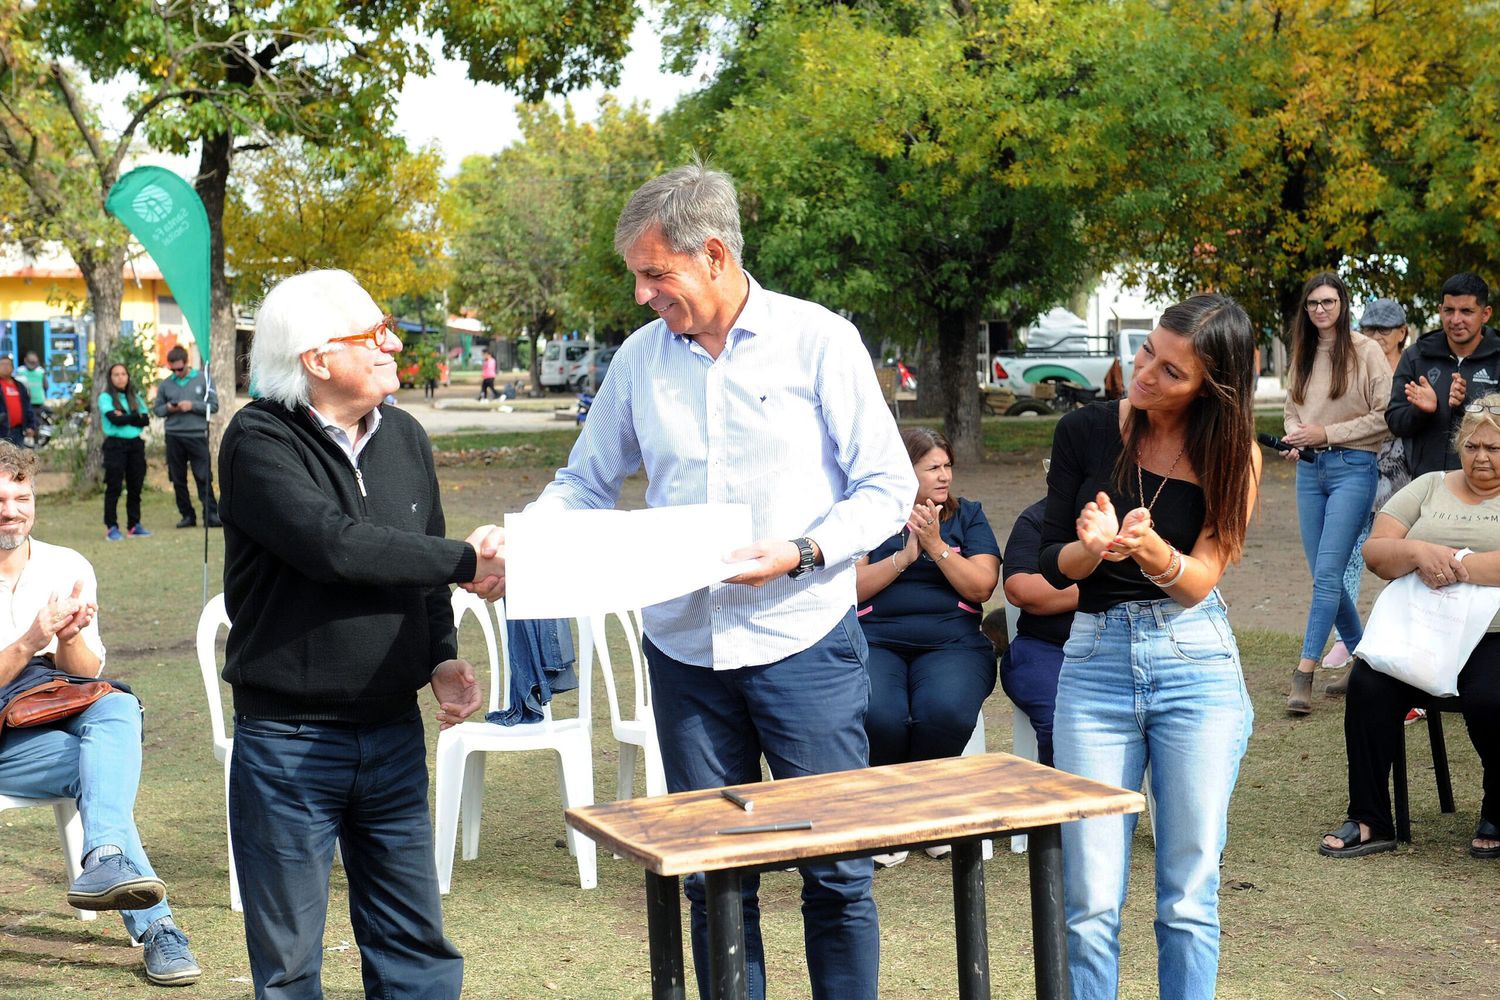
(1140, 484)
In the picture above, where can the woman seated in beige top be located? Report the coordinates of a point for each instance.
(1444, 526)
(1335, 410)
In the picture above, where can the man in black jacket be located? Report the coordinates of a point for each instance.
(1440, 372)
(336, 573)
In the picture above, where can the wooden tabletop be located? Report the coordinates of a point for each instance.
(869, 809)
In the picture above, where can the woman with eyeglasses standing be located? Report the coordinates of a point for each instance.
(1383, 321)
(1335, 408)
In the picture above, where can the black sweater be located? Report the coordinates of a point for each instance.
(1428, 437)
(1085, 447)
(336, 581)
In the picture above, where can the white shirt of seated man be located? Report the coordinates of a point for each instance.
(48, 593)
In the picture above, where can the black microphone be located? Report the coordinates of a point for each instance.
(1271, 441)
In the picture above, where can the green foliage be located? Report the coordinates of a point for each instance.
(538, 47)
(534, 225)
(1358, 136)
(297, 207)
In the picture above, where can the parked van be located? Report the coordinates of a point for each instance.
(565, 364)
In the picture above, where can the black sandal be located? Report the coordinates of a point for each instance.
(1485, 831)
(1348, 835)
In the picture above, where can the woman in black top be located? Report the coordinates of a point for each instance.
(921, 593)
(1148, 502)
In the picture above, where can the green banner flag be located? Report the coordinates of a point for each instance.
(164, 212)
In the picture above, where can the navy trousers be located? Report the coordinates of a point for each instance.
(294, 789)
(806, 714)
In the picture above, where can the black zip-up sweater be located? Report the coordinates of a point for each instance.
(1428, 437)
(335, 579)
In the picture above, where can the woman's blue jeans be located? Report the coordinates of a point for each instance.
(1151, 682)
(1334, 494)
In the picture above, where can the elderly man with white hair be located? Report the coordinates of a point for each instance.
(336, 574)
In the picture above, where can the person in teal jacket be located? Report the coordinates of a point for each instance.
(123, 415)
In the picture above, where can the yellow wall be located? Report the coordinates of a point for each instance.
(26, 299)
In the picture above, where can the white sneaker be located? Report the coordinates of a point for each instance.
(940, 851)
(889, 860)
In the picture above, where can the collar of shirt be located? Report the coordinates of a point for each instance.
(50, 569)
(337, 435)
(754, 320)
(187, 376)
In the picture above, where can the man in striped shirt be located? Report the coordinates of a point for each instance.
(736, 394)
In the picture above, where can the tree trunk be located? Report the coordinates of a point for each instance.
(959, 389)
(104, 277)
(212, 183)
(929, 386)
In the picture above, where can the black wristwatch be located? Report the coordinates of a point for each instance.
(805, 550)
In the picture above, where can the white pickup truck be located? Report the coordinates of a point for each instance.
(1060, 348)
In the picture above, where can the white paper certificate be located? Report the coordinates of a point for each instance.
(568, 563)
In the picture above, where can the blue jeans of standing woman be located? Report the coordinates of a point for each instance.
(1334, 494)
(1150, 682)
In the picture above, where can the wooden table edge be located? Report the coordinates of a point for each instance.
(1123, 803)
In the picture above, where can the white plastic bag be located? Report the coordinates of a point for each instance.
(1423, 636)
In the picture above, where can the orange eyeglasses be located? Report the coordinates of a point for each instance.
(374, 337)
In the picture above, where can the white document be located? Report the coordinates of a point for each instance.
(568, 563)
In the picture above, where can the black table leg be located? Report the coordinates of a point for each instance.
(664, 932)
(1049, 930)
(969, 920)
(726, 937)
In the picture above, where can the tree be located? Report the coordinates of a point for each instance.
(233, 77)
(297, 208)
(1357, 136)
(56, 168)
(533, 246)
(922, 162)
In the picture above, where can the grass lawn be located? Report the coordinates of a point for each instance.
(1417, 923)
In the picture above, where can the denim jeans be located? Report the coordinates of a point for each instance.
(95, 758)
(295, 788)
(1153, 683)
(806, 714)
(1334, 494)
(1028, 673)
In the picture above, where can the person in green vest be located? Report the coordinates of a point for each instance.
(123, 415)
(34, 377)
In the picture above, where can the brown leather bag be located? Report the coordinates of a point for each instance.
(51, 700)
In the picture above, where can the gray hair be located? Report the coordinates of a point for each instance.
(303, 312)
(691, 204)
(1471, 421)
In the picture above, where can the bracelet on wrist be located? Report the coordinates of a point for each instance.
(1181, 569)
(1171, 572)
(895, 565)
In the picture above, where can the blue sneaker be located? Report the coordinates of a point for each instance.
(113, 535)
(168, 960)
(139, 531)
(114, 883)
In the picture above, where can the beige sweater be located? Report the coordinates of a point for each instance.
(1357, 418)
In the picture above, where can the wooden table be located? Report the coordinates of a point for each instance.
(958, 800)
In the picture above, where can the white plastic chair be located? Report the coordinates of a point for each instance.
(461, 750)
(639, 730)
(213, 618)
(69, 834)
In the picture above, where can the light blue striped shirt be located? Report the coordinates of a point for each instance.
(788, 419)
